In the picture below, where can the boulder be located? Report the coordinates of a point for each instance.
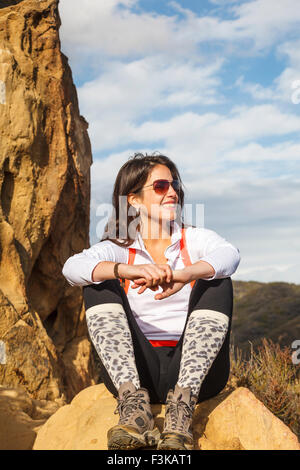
(21, 417)
(232, 420)
(242, 422)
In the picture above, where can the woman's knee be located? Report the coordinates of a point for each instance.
(216, 294)
(108, 291)
(217, 285)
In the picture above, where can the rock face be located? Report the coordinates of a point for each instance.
(21, 417)
(45, 159)
(241, 422)
(234, 420)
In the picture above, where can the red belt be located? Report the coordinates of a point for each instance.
(158, 342)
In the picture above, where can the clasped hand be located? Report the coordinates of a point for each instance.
(153, 275)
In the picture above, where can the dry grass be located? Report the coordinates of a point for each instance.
(272, 377)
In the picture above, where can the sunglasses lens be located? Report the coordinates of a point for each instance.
(176, 185)
(161, 186)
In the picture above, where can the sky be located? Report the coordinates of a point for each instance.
(215, 86)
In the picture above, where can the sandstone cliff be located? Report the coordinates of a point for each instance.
(45, 158)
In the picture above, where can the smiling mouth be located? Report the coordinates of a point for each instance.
(170, 203)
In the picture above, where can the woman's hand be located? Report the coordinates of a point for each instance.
(169, 289)
(150, 275)
(180, 278)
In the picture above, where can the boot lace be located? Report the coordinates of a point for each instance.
(129, 403)
(174, 407)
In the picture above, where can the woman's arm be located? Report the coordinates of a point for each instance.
(96, 264)
(198, 270)
(206, 245)
(152, 273)
(79, 269)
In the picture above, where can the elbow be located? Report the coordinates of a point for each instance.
(76, 272)
(67, 274)
(235, 260)
(238, 257)
(64, 270)
(230, 263)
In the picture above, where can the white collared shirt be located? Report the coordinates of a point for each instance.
(158, 319)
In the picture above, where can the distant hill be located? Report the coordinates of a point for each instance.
(270, 310)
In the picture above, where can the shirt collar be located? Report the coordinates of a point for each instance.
(175, 237)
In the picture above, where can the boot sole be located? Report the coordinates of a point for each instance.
(127, 437)
(174, 441)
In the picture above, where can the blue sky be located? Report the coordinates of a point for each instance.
(213, 84)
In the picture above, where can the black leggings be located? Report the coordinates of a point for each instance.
(158, 367)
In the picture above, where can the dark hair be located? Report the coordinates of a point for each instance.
(130, 179)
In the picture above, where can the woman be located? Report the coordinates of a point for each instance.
(162, 335)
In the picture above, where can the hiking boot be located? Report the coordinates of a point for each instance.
(136, 424)
(177, 432)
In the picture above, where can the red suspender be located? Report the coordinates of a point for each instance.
(184, 252)
(184, 255)
(125, 282)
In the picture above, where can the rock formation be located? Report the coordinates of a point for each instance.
(21, 417)
(45, 158)
(241, 422)
(230, 421)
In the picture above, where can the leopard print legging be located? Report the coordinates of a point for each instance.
(203, 337)
(109, 331)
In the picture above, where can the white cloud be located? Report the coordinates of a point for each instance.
(104, 172)
(198, 136)
(284, 83)
(132, 90)
(126, 94)
(286, 86)
(223, 2)
(291, 50)
(104, 27)
(266, 21)
(269, 273)
(254, 152)
(258, 23)
(256, 90)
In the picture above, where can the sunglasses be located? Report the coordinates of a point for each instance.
(162, 186)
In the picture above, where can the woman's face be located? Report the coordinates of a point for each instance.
(158, 206)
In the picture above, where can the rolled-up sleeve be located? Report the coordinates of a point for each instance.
(78, 268)
(219, 253)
